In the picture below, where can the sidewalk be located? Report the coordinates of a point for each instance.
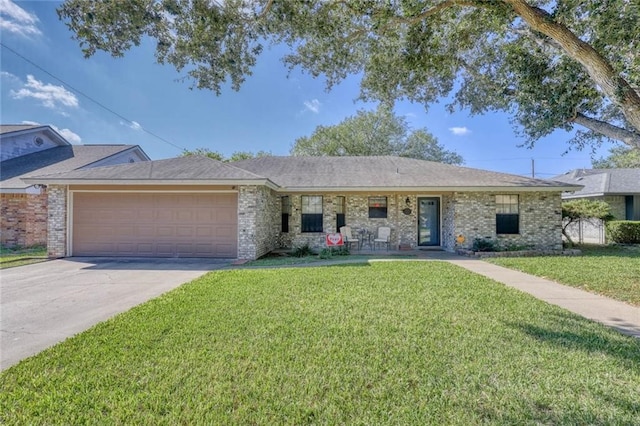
(618, 315)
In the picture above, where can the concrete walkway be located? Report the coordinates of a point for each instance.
(618, 315)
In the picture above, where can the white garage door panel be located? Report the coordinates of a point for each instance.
(155, 225)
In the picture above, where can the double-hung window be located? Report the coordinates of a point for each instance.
(340, 208)
(377, 207)
(286, 212)
(507, 214)
(311, 213)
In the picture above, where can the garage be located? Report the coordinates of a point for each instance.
(154, 224)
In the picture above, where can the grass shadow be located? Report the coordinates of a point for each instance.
(589, 250)
(576, 333)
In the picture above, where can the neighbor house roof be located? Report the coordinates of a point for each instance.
(10, 128)
(54, 160)
(599, 182)
(17, 129)
(180, 170)
(300, 174)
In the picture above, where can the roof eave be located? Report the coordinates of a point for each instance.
(236, 182)
(430, 189)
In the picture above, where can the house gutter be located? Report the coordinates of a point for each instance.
(432, 189)
(236, 182)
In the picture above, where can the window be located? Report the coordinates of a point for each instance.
(311, 213)
(340, 219)
(377, 207)
(286, 212)
(507, 214)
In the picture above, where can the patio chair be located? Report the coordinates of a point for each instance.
(384, 237)
(348, 238)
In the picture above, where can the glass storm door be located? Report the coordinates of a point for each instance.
(428, 221)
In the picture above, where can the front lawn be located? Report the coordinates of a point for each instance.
(612, 271)
(386, 343)
(21, 256)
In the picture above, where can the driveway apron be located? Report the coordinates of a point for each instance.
(45, 303)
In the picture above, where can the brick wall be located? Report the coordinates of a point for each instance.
(617, 203)
(23, 219)
(57, 223)
(403, 227)
(258, 221)
(540, 219)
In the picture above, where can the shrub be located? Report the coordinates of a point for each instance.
(482, 244)
(624, 231)
(511, 246)
(325, 253)
(302, 251)
(328, 253)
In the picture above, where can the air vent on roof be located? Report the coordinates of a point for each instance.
(131, 160)
(38, 141)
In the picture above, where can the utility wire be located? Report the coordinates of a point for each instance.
(131, 122)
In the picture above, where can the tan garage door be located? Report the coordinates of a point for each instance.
(155, 224)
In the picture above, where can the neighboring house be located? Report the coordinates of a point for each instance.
(620, 188)
(27, 150)
(199, 207)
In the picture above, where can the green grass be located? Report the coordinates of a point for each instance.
(21, 256)
(612, 271)
(386, 343)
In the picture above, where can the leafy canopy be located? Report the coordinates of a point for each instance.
(378, 132)
(582, 209)
(549, 64)
(236, 156)
(620, 157)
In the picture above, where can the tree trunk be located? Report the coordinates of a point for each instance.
(611, 83)
(613, 132)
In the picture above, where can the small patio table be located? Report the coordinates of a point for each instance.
(366, 237)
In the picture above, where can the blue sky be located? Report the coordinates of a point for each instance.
(271, 110)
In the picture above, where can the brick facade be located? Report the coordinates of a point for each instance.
(540, 220)
(258, 221)
(468, 214)
(57, 223)
(23, 219)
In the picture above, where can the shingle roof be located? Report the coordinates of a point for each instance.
(53, 160)
(302, 173)
(310, 174)
(9, 128)
(599, 182)
(180, 169)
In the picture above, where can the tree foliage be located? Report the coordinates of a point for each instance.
(550, 64)
(620, 157)
(378, 132)
(582, 209)
(236, 156)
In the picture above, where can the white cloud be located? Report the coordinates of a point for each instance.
(131, 124)
(70, 136)
(10, 77)
(313, 105)
(15, 19)
(50, 95)
(459, 131)
(33, 123)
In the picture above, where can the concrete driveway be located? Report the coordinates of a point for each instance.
(45, 303)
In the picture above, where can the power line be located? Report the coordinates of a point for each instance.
(131, 122)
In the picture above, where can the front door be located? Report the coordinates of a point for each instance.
(429, 221)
